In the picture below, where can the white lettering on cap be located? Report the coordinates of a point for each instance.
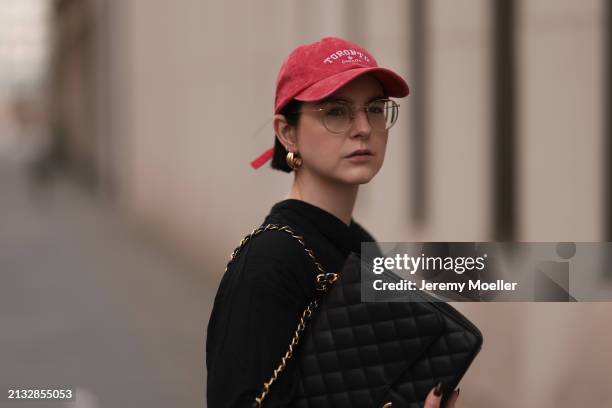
(350, 57)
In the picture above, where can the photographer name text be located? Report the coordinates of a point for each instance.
(479, 285)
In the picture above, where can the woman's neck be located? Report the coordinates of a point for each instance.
(335, 198)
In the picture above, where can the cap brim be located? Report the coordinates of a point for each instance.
(393, 84)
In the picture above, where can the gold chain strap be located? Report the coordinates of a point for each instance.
(323, 282)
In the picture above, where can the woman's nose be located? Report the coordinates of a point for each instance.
(361, 125)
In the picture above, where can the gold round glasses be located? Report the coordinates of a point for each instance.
(338, 115)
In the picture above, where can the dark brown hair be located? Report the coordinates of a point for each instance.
(291, 114)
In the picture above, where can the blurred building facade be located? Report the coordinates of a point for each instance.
(160, 105)
(75, 101)
(504, 136)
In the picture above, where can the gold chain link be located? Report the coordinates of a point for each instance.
(323, 282)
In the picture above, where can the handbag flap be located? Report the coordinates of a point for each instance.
(352, 345)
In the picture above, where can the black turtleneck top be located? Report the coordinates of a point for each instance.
(261, 298)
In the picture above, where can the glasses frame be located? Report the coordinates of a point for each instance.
(353, 114)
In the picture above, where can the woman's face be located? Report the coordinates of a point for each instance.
(328, 154)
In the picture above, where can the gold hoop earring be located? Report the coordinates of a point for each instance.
(293, 160)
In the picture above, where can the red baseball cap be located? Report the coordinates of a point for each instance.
(316, 70)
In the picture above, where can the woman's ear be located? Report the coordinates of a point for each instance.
(285, 133)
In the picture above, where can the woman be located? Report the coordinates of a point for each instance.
(332, 116)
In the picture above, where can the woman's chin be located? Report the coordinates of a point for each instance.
(359, 176)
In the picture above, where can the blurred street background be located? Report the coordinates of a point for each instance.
(88, 302)
(126, 132)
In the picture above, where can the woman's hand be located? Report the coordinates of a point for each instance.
(434, 398)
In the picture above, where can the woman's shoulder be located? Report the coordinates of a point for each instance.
(269, 259)
(273, 263)
(281, 246)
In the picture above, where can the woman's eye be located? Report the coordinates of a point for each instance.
(336, 111)
(376, 110)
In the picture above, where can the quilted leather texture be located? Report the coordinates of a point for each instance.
(356, 354)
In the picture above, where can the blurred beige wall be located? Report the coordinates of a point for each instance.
(560, 105)
(188, 95)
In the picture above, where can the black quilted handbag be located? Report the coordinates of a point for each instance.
(355, 354)
(379, 354)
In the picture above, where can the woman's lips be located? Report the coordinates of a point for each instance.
(360, 155)
(361, 152)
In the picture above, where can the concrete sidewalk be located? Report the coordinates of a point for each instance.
(89, 302)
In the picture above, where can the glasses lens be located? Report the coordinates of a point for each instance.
(382, 114)
(337, 117)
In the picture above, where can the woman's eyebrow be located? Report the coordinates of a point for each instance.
(348, 100)
(333, 99)
(376, 97)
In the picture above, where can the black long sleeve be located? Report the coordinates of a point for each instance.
(260, 299)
